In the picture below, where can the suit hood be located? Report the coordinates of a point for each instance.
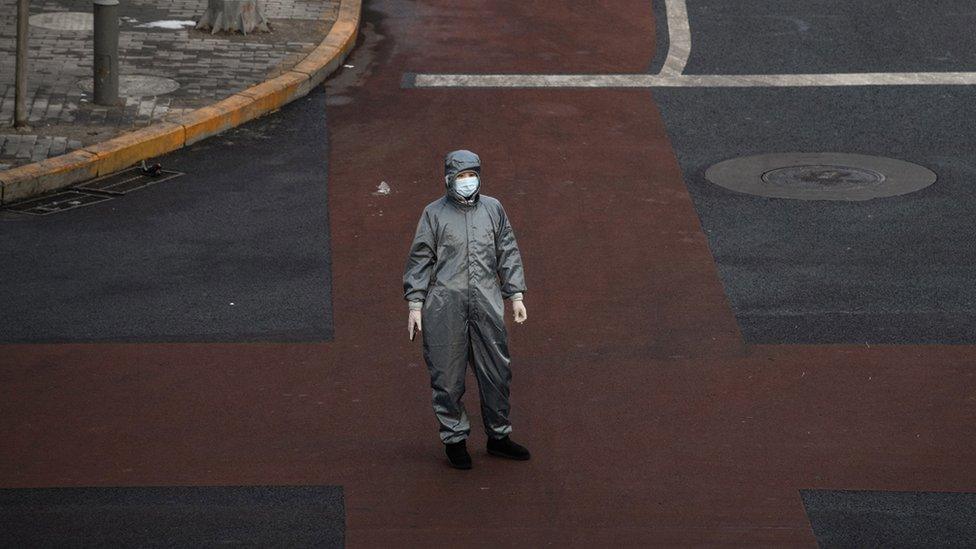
(456, 162)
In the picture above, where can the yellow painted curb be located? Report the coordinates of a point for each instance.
(162, 137)
(274, 93)
(127, 149)
(213, 119)
(46, 175)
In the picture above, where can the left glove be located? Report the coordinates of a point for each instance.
(518, 309)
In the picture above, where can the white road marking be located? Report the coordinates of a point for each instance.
(679, 38)
(691, 80)
(671, 75)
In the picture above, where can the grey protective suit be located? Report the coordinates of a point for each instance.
(463, 261)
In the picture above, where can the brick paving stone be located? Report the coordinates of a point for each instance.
(41, 148)
(19, 146)
(207, 67)
(10, 143)
(59, 145)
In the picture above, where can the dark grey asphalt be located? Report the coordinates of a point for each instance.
(890, 270)
(825, 36)
(173, 516)
(247, 224)
(857, 518)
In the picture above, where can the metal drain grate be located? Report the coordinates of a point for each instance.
(125, 181)
(58, 202)
(96, 190)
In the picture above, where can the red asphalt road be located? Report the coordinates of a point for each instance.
(648, 418)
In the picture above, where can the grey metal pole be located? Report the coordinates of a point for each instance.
(20, 80)
(106, 51)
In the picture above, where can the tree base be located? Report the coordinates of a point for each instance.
(233, 15)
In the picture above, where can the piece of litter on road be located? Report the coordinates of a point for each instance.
(174, 25)
(231, 302)
(382, 189)
(349, 66)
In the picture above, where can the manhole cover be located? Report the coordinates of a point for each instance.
(63, 20)
(138, 85)
(820, 176)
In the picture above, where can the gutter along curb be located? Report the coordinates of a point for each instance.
(162, 137)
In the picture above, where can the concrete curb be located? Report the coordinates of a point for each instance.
(162, 137)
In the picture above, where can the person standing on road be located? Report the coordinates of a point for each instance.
(463, 261)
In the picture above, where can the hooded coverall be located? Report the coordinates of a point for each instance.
(463, 261)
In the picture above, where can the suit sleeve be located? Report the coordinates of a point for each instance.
(509, 260)
(420, 262)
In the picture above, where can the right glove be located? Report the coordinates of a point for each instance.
(413, 321)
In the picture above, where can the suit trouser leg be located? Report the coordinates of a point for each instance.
(446, 365)
(490, 359)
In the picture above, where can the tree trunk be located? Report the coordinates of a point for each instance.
(233, 15)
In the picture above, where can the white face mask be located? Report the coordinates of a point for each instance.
(466, 186)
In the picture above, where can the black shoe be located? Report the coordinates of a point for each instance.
(504, 447)
(458, 454)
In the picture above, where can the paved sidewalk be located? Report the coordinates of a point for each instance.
(166, 67)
